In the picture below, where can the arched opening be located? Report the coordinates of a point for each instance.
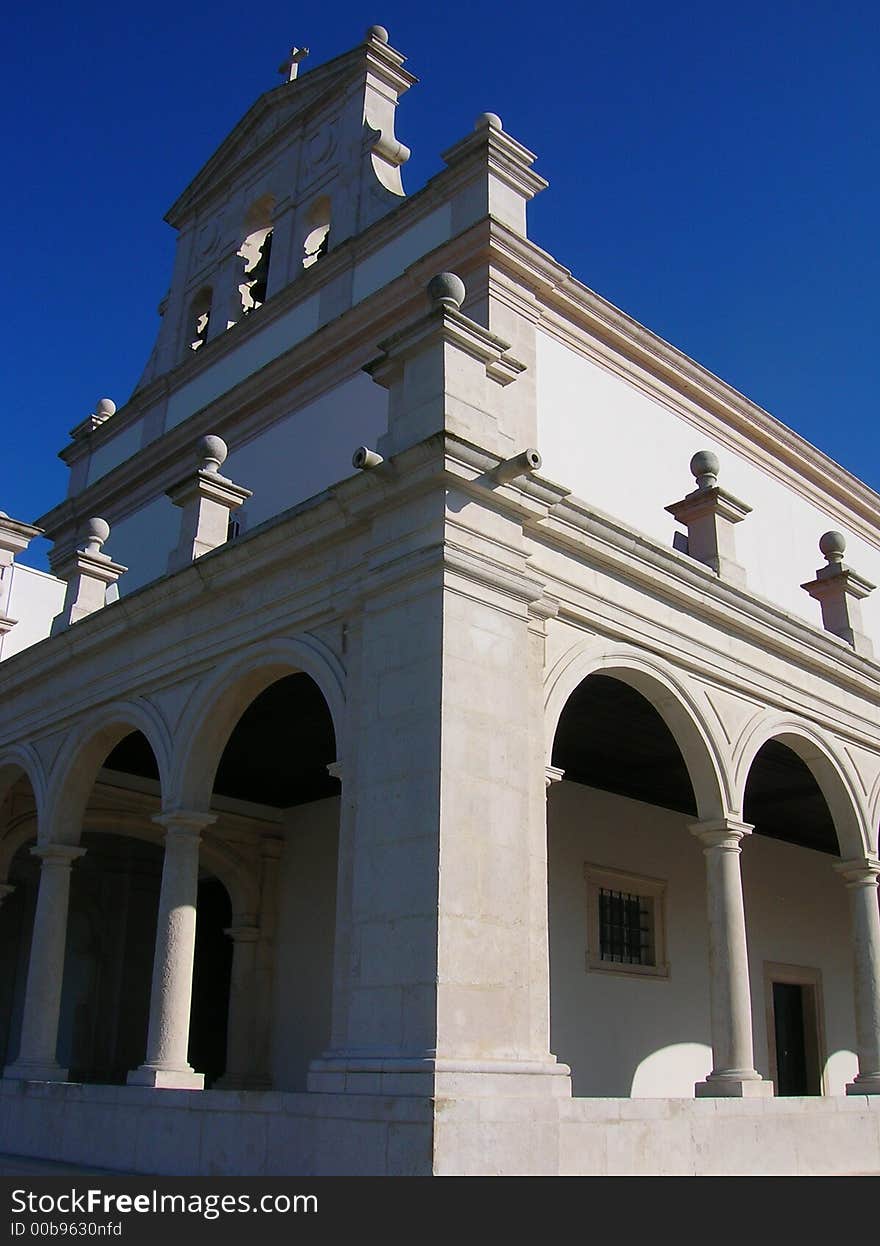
(111, 928)
(199, 318)
(256, 253)
(798, 924)
(16, 925)
(211, 980)
(273, 768)
(19, 878)
(317, 240)
(629, 988)
(108, 793)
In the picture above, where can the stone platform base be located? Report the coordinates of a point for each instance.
(248, 1133)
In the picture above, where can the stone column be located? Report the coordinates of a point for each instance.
(37, 1058)
(861, 881)
(241, 1049)
(166, 1064)
(733, 1072)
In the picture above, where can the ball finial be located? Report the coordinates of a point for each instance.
(705, 467)
(212, 452)
(833, 546)
(105, 407)
(96, 531)
(488, 121)
(446, 290)
(379, 33)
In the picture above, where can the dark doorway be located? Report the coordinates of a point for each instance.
(796, 1039)
(212, 970)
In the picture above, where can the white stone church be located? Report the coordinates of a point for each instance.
(435, 749)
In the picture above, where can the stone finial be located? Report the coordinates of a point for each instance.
(206, 500)
(838, 591)
(705, 468)
(88, 572)
(95, 532)
(104, 409)
(446, 290)
(709, 514)
(379, 33)
(211, 452)
(488, 121)
(833, 546)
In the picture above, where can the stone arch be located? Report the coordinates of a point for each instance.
(874, 815)
(18, 760)
(232, 870)
(832, 775)
(223, 697)
(667, 693)
(19, 833)
(89, 743)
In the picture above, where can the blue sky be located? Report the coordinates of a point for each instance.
(713, 171)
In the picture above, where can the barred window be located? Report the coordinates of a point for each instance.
(625, 922)
(626, 927)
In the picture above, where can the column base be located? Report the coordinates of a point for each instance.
(438, 1077)
(869, 1085)
(166, 1079)
(34, 1071)
(733, 1086)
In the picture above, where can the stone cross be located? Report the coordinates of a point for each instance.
(290, 68)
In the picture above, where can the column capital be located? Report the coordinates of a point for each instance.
(860, 871)
(721, 833)
(184, 821)
(57, 855)
(243, 932)
(6, 889)
(552, 774)
(335, 770)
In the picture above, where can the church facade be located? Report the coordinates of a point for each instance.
(447, 739)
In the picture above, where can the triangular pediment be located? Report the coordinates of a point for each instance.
(289, 104)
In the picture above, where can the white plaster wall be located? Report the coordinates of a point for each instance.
(797, 913)
(115, 451)
(304, 944)
(626, 1035)
(35, 597)
(624, 453)
(255, 353)
(310, 449)
(391, 260)
(142, 542)
(296, 458)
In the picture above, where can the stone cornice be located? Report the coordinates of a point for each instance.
(325, 537)
(334, 353)
(588, 323)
